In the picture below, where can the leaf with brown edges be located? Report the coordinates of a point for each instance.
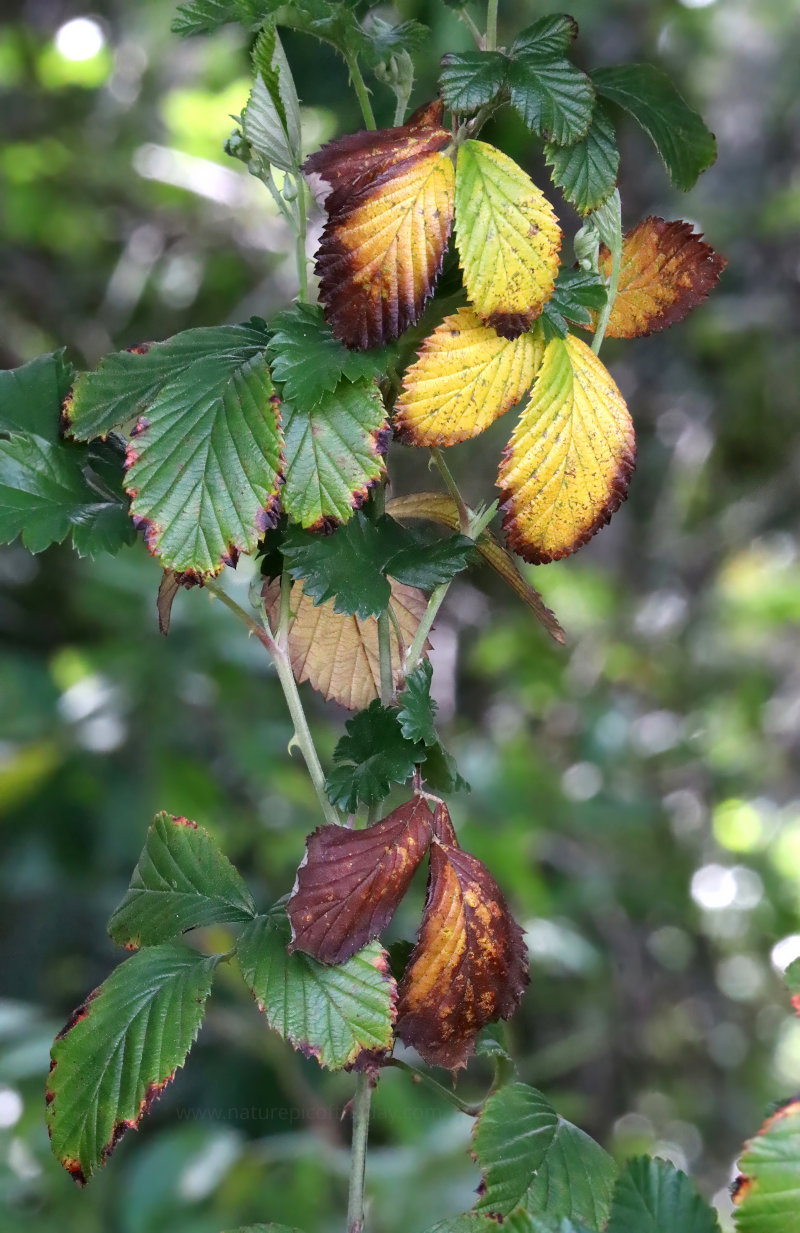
(337, 653)
(667, 270)
(469, 966)
(390, 210)
(350, 881)
(567, 466)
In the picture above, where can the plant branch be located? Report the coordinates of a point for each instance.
(461, 1105)
(361, 91)
(358, 1154)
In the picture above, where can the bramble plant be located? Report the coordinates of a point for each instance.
(446, 296)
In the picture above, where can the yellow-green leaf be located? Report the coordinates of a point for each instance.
(466, 377)
(567, 466)
(508, 239)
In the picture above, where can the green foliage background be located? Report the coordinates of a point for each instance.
(637, 794)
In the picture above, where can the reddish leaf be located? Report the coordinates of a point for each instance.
(350, 882)
(390, 210)
(469, 965)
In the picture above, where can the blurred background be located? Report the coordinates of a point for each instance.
(636, 793)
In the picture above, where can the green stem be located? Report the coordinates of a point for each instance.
(361, 91)
(300, 248)
(358, 1154)
(461, 1105)
(384, 627)
(434, 604)
(473, 29)
(267, 178)
(453, 489)
(491, 25)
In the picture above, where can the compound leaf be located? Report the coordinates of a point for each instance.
(181, 881)
(647, 93)
(586, 171)
(575, 1181)
(350, 881)
(508, 239)
(120, 1049)
(471, 79)
(466, 376)
(334, 1014)
(567, 466)
(417, 708)
(372, 756)
(307, 362)
(510, 1140)
(766, 1190)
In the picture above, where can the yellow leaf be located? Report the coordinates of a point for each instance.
(567, 466)
(508, 239)
(338, 654)
(465, 378)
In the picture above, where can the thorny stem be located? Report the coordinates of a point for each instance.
(283, 667)
(361, 91)
(461, 1105)
(491, 25)
(358, 1154)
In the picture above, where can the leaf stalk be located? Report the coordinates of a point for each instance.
(362, 93)
(358, 1154)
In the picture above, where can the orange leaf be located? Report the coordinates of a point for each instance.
(389, 217)
(567, 466)
(466, 377)
(339, 654)
(469, 966)
(350, 882)
(666, 270)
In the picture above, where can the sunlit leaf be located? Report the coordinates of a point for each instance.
(469, 966)
(182, 880)
(575, 1181)
(465, 377)
(334, 1014)
(510, 1140)
(508, 239)
(120, 1049)
(586, 172)
(567, 466)
(338, 653)
(652, 1196)
(350, 881)
(766, 1191)
(666, 271)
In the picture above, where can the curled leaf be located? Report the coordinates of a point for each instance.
(508, 239)
(469, 965)
(466, 376)
(666, 271)
(350, 881)
(567, 466)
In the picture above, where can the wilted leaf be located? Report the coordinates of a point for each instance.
(586, 172)
(666, 270)
(469, 965)
(389, 217)
(120, 1049)
(337, 653)
(307, 362)
(508, 239)
(466, 376)
(652, 1196)
(182, 880)
(417, 708)
(575, 1181)
(350, 881)
(440, 507)
(331, 1013)
(510, 1140)
(372, 756)
(567, 466)
(766, 1191)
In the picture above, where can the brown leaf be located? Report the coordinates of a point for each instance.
(390, 210)
(351, 881)
(666, 271)
(338, 654)
(469, 966)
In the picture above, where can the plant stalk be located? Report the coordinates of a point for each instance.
(461, 1105)
(473, 29)
(491, 25)
(434, 604)
(453, 489)
(362, 92)
(302, 227)
(358, 1154)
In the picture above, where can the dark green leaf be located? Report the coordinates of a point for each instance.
(678, 133)
(511, 1138)
(417, 708)
(575, 1181)
(345, 566)
(121, 1048)
(441, 773)
(428, 565)
(308, 362)
(577, 294)
(553, 96)
(370, 758)
(586, 172)
(471, 79)
(652, 1196)
(31, 396)
(548, 38)
(181, 881)
(331, 1013)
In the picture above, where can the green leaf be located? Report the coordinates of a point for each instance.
(345, 566)
(471, 1222)
(576, 1180)
(553, 97)
(429, 565)
(577, 294)
(181, 881)
(31, 396)
(440, 771)
(265, 1228)
(767, 1191)
(120, 1049)
(331, 1013)
(387, 40)
(586, 172)
(271, 118)
(686, 146)
(471, 79)
(792, 978)
(652, 1196)
(372, 756)
(206, 16)
(417, 708)
(549, 37)
(308, 362)
(511, 1138)
(334, 453)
